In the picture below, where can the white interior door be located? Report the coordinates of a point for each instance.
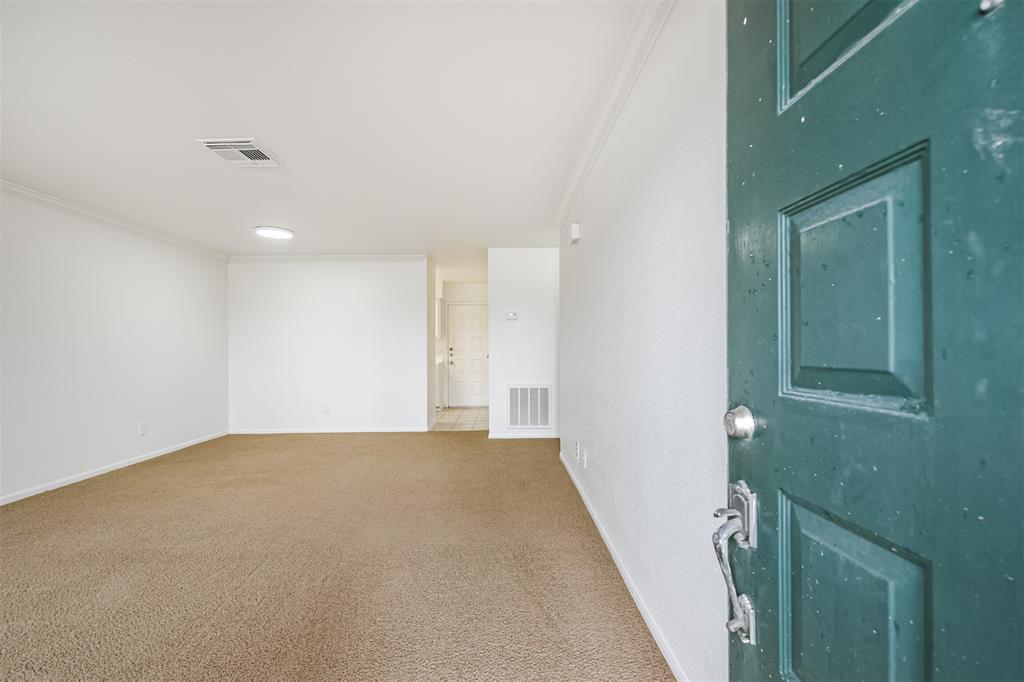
(467, 354)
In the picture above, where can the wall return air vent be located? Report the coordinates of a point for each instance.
(242, 152)
(529, 407)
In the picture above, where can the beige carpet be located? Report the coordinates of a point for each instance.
(342, 557)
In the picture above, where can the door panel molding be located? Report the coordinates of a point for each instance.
(866, 234)
(798, 74)
(883, 600)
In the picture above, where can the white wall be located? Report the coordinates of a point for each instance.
(3, 216)
(524, 351)
(465, 292)
(348, 335)
(103, 328)
(643, 339)
(431, 367)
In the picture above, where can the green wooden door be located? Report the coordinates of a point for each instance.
(876, 331)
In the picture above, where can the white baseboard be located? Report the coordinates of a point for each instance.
(68, 480)
(372, 429)
(652, 625)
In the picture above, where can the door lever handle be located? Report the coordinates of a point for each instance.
(741, 525)
(742, 619)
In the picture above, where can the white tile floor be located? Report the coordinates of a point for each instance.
(462, 419)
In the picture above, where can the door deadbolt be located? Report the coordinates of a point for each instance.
(739, 422)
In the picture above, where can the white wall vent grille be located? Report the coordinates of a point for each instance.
(529, 407)
(242, 152)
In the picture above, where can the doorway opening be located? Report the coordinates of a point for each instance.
(462, 356)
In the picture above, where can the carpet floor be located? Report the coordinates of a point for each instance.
(433, 556)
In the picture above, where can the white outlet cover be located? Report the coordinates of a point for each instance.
(512, 316)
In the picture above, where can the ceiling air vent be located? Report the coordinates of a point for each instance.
(242, 152)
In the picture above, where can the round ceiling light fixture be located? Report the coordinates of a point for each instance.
(271, 232)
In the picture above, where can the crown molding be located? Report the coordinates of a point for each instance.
(38, 197)
(648, 22)
(263, 258)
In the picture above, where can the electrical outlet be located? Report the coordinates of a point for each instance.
(143, 429)
(577, 449)
(327, 409)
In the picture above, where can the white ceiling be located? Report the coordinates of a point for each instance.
(428, 127)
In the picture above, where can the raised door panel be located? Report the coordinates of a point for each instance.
(853, 605)
(815, 35)
(854, 310)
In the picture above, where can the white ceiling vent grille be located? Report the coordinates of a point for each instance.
(242, 152)
(529, 407)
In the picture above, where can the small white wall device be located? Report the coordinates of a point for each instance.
(512, 317)
(574, 233)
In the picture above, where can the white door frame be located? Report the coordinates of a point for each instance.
(448, 340)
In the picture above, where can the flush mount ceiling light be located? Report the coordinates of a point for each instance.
(270, 232)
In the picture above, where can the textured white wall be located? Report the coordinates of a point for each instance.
(524, 281)
(643, 339)
(345, 334)
(102, 329)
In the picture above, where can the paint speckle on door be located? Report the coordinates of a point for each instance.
(981, 389)
(993, 132)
